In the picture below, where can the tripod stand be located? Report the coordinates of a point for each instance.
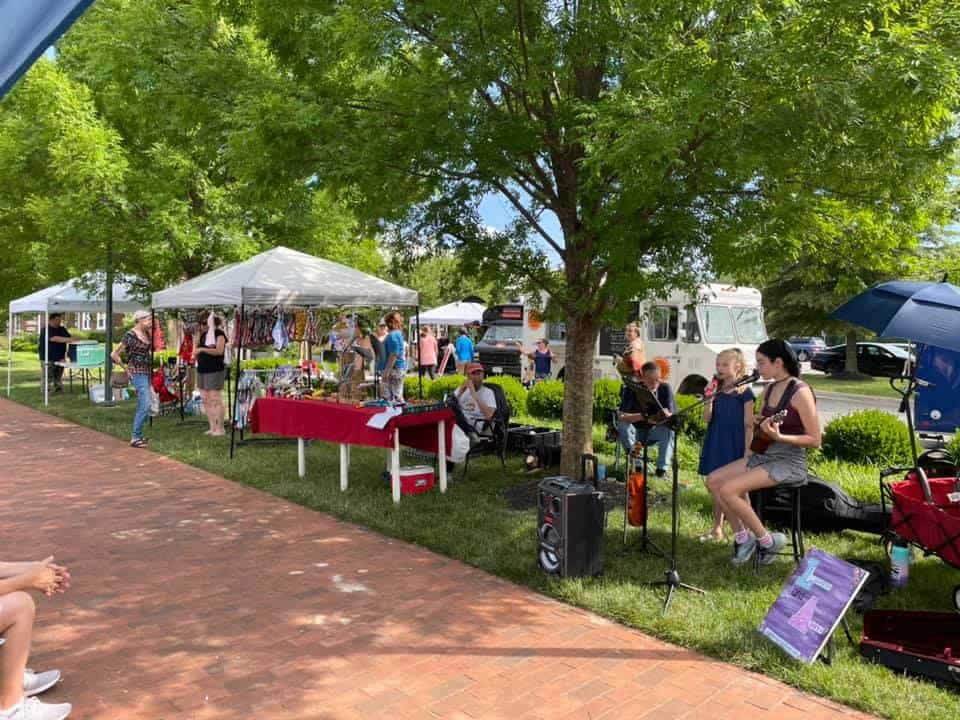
(672, 581)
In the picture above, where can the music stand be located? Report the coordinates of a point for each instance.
(672, 581)
(653, 410)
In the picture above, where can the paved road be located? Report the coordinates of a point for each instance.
(195, 597)
(830, 405)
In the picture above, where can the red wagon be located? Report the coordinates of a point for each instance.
(925, 511)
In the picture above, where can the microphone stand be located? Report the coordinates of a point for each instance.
(672, 581)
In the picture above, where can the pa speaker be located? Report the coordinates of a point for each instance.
(570, 522)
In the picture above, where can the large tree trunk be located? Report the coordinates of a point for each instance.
(578, 393)
(850, 362)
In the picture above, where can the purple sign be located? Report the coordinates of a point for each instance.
(812, 604)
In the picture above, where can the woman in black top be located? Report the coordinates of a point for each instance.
(210, 348)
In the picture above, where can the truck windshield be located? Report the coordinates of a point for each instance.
(502, 333)
(749, 322)
(717, 324)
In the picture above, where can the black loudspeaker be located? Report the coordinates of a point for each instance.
(570, 521)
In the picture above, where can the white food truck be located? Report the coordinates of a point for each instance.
(687, 331)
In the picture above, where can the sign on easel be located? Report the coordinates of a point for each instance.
(812, 604)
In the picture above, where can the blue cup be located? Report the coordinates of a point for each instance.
(601, 473)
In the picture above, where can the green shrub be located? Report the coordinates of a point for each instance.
(267, 363)
(545, 399)
(953, 447)
(606, 399)
(445, 385)
(26, 343)
(411, 386)
(692, 424)
(867, 436)
(514, 390)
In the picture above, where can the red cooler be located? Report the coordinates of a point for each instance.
(416, 479)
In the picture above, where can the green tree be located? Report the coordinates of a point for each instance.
(661, 137)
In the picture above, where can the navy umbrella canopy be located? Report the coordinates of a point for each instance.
(925, 312)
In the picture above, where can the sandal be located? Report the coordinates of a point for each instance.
(138, 443)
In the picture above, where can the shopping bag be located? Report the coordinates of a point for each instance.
(459, 445)
(119, 379)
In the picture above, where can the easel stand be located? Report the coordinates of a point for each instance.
(646, 544)
(826, 657)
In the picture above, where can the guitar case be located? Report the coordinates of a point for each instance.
(824, 507)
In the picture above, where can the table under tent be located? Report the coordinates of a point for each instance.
(72, 296)
(279, 280)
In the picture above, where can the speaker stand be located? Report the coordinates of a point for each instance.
(672, 581)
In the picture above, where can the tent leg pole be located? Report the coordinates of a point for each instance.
(9, 350)
(236, 384)
(153, 330)
(46, 357)
(419, 357)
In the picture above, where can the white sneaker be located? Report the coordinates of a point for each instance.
(33, 709)
(36, 683)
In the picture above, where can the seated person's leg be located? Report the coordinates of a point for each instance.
(664, 438)
(17, 610)
(628, 436)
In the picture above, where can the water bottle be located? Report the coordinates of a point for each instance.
(899, 564)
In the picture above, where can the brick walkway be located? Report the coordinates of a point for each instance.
(195, 597)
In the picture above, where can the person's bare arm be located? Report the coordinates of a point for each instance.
(805, 406)
(43, 576)
(488, 412)
(748, 426)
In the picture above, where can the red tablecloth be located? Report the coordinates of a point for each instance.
(344, 423)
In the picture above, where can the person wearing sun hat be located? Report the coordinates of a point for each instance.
(476, 403)
(135, 344)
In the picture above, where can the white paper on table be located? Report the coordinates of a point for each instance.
(380, 420)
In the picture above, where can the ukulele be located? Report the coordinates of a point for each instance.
(761, 441)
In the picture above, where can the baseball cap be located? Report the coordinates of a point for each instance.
(473, 367)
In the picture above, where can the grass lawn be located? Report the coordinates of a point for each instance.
(473, 523)
(874, 387)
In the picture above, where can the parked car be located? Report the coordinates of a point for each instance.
(877, 359)
(807, 347)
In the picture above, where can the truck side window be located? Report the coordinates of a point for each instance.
(557, 331)
(663, 323)
(691, 326)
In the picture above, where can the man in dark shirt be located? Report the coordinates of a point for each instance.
(55, 338)
(636, 414)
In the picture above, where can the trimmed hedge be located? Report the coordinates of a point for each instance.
(444, 385)
(411, 386)
(514, 390)
(26, 343)
(867, 437)
(545, 399)
(606, 399)
(692, 424)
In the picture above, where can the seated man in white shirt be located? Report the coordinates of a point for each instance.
(476, 403)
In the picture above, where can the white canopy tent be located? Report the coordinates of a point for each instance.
(289, 278)
(70, 296)
(455, 313)
(284, 277)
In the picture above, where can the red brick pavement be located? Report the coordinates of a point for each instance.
(195, 597)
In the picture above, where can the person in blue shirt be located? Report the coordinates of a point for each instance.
(464, 350)
(396, 367)
(633, 416)
(542, 357)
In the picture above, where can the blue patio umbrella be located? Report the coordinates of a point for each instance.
(27, 29)
(925, 312)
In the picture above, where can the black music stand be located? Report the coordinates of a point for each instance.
(672, 581)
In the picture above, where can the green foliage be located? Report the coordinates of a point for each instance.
(28, 342)
(606, 399)
(514, 390)
(545, 399)
(267, 363)
(953, 446)
(867, 436)
(411, 386)
(692, 424)
(445, 385)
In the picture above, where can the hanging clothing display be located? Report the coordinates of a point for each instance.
(185, 352)
(159, 343)
(248, 390)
